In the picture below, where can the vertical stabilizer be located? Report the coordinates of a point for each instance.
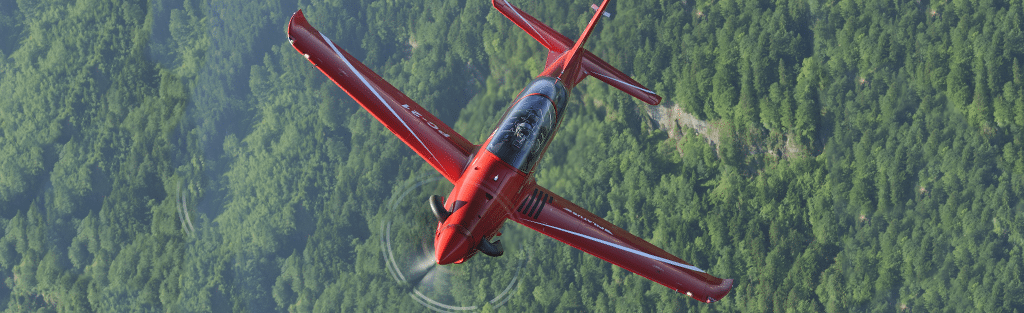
(571, 69)
(562, 50)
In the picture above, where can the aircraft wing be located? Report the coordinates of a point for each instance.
(558, 218)
(437, 143)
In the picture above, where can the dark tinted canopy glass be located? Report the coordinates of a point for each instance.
(524, 132)
(549, 87)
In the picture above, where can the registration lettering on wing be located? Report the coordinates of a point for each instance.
(429, 123)
(587, 220)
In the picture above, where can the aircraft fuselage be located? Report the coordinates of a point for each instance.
(493, 181)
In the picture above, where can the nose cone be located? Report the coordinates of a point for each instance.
(451, 245)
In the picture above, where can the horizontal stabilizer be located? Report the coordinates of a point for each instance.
(548, 37)
(557, 45)
(594, 66)
(571, 68)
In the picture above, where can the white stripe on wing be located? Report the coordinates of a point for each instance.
(623, 248)
(632, 85)
(374, 90)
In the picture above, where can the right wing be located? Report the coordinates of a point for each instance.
(435, 142)
(558, 218)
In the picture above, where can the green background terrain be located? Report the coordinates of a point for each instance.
(859, 155)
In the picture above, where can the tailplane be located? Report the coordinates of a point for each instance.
(571, 69)
(575, 61)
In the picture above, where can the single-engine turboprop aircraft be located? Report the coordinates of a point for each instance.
(494, 181)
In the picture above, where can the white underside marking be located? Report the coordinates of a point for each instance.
(374, 90)
(623, 248)
(634, 86)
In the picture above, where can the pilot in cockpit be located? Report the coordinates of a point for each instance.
(524, 127)
(522, 130)
(523, 134)
(519, 130)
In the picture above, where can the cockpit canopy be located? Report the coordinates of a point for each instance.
(524, 132)
(527, 127)
(549, 87)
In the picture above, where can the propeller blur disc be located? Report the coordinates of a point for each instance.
(408, 250)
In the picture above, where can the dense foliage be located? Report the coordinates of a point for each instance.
(860, 155)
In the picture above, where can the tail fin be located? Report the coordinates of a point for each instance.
(558, 45)
(571, 69)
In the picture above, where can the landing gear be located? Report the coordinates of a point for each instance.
(491, 249)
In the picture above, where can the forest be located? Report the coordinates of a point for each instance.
(180, 156)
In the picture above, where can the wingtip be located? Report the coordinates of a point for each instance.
(656, 100)
(298, 25)
(297, 19)
(719, 291)
(497, 4)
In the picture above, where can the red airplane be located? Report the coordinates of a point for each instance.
(494, 181)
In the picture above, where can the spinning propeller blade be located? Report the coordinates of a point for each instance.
(407, 247)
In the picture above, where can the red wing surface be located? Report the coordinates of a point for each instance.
(438, 144)
(558, 218)
(551, 39)
(594, 66)
(558, 44)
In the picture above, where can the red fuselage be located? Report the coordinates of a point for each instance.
(483, 199)
(485, 193)
(491, 185)
(493, 182)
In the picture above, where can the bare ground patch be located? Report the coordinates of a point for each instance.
(760, 145)
(668, 115)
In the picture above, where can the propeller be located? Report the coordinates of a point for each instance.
(486, 247)
(408, 249)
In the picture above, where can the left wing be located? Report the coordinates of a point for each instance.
(435, 142)
(558, 218)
